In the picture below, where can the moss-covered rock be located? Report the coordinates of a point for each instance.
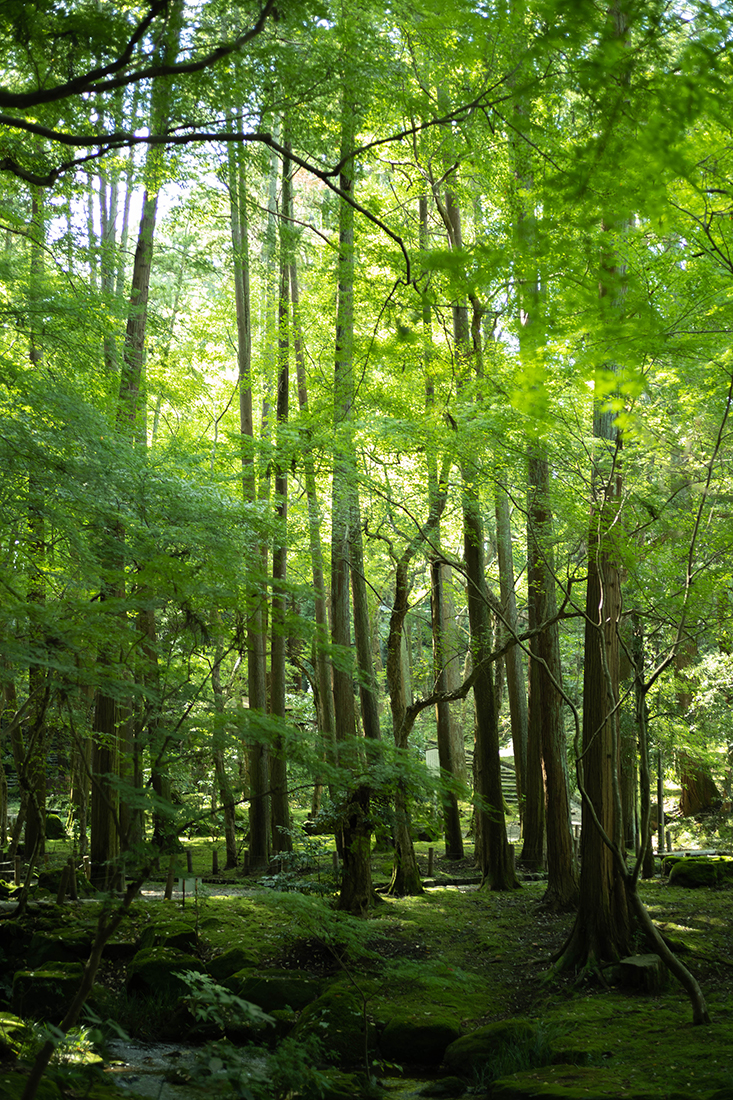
(153, 972)
(13, 1033)
(697, 871)
(488, 1045)
(418, 1039)
(58, 945)
(274, 989)
(230, 962)
(177, 935)
(449, 1088)
(335, 1084)
(12, 1085)
(55, 828)
(45, 994)
(336, 1019)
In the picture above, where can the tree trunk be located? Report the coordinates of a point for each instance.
(280, 808)
(356, 894)
(562, 881)
(514, 674)
(259, 781)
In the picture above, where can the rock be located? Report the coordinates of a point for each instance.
(153, 972)
(13, 1032)
(451, 1088)
(695, 872)
(334, 1084)
(336, 1018)
(12, 1085)
(176, 935)
(488, 1045)
(274, 989)
(230, 962)
(55, 828)
(59, 945)
(421, 1040)
(643, 973)
(45, 994)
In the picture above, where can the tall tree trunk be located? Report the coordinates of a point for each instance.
(324, 692)
(493, 852)
(33, 776)
(562, 884)
(516, 690)
(259, 810)
(280, 809)
(450, 765)
(356, 894)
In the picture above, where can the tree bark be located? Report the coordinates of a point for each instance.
(279, 803)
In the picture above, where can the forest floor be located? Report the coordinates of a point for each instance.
(463, 952)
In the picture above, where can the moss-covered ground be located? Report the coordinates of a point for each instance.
(464, 954)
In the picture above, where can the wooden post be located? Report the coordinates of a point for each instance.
(73, 889)
(63, 884)
(168, 896)
(86, 867)
(431, 858)
(660, 804)
(215, 861)
(245, 864)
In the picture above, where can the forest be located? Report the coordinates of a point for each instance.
(365, 384)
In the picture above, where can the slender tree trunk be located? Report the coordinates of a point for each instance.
(324, 692)
(280, 808)
(516, 690)
(259, 811)
(356, 894)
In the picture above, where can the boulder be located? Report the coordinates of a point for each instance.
(153, 972)
(55, 828)
(336, 1019)
(415, 1039)
(12, 1085)
(58, 945)
(488, 1045)
(695, 872)
(230, 962)
(274, 989)
(45, 994)
(176, 935)
(450, 1088)
(13, 1033)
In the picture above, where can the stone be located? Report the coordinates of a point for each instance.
(153, 972)
(55, 828)
(13, 1033)
(336, 1019)
(420, 1040)
(12, 1085)
(176, 935)
(451, 1088)
(487, 1044)
(695, 872)
(59, 945)
(274, 989)
(45, 994)
(230, 962)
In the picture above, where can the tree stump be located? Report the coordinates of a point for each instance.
(643, 973)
